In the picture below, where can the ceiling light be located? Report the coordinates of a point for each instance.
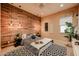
(61, 5)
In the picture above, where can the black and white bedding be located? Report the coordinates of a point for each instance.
(52, 50)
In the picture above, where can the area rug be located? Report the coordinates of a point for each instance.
(52, 50)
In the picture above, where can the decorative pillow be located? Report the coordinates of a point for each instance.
(29, 36)
(24, 36)
(33, 36)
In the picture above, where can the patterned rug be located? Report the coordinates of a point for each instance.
(52, 50)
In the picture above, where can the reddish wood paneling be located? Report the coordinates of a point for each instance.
(15, 20)
(0, 27)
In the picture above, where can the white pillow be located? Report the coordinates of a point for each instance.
(24, 36)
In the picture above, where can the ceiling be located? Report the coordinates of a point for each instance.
(44, 9)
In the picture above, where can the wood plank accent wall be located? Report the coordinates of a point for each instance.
(0, 27)
(15, 20)
(78, 15)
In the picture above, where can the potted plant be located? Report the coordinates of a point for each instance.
(69, 30)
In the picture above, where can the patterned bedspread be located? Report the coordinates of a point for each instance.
(52, 50)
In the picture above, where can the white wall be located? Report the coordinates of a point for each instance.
(50, 25)
(54, 22)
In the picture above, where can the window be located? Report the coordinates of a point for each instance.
(46, 26)
(62, 22)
